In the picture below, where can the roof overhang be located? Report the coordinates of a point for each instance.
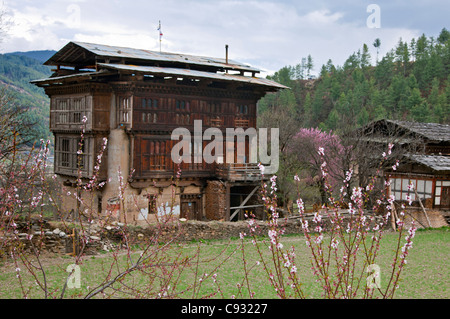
(194, 74)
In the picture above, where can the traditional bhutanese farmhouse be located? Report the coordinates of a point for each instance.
(426, 166)
(136, 99)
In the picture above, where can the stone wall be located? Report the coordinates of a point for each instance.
(57, 237)
(215, 200)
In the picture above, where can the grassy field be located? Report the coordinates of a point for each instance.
(426, 275)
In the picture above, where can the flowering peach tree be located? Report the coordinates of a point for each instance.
(344, 243)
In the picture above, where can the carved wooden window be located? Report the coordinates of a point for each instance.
(124, 110)
(242, 109)
(70, 110)
(182, 119)
(182, 105)
(63, 108)
(65, 152)
(149, 103)
(78, 107)
(157, 155)
(71, 155)
(149, 117)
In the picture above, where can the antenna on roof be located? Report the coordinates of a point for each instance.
(160, 35)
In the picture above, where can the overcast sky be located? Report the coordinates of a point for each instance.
(266, 34)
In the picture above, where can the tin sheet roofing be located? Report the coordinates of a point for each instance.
(107, 68)
(74, 53)
(192, 74)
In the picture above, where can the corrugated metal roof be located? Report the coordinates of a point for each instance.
(435, 162)
(192, 74)
(140, 54)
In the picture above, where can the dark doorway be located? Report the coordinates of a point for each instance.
(191, 207)
(445, 197)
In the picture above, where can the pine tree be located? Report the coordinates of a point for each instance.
(444, 36)
(377, 45)
(365, 57)
(418, 106)
(402, 56)
(309, 65)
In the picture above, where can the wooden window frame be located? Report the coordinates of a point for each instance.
(70, 157)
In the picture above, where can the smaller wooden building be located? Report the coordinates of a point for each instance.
(426, 166)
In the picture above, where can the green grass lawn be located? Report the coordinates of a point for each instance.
(426, 275)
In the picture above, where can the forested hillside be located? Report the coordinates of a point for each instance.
(16, 72)
(411, 82)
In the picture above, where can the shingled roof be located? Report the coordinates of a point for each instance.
(430, 131)
(435, 162)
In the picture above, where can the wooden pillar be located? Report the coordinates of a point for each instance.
(227, 201)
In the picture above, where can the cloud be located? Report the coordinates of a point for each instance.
(266, 34)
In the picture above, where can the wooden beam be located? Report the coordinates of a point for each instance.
(227, 199)
(245, 201)
(248, 206)
(423, 208)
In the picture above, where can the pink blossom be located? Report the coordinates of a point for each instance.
(321, 151)
(409, 199)
(318, 239)
(261, 168)
(390, 146)
(317, 217)
(334, 243)
(300, 205)
(272, 236)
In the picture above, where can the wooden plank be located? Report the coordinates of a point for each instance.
(248, 206)
(245, 201)
(423, 208)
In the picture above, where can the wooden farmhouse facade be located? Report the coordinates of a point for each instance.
(426, 166)
(135, 99)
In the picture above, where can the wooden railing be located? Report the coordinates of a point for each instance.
(246, 172)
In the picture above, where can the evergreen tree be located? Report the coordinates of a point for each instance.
(402, 56)
(444, 36)
(410, 82)
(418, 106)
(309, 65)
(377, 45)
(365, 57)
